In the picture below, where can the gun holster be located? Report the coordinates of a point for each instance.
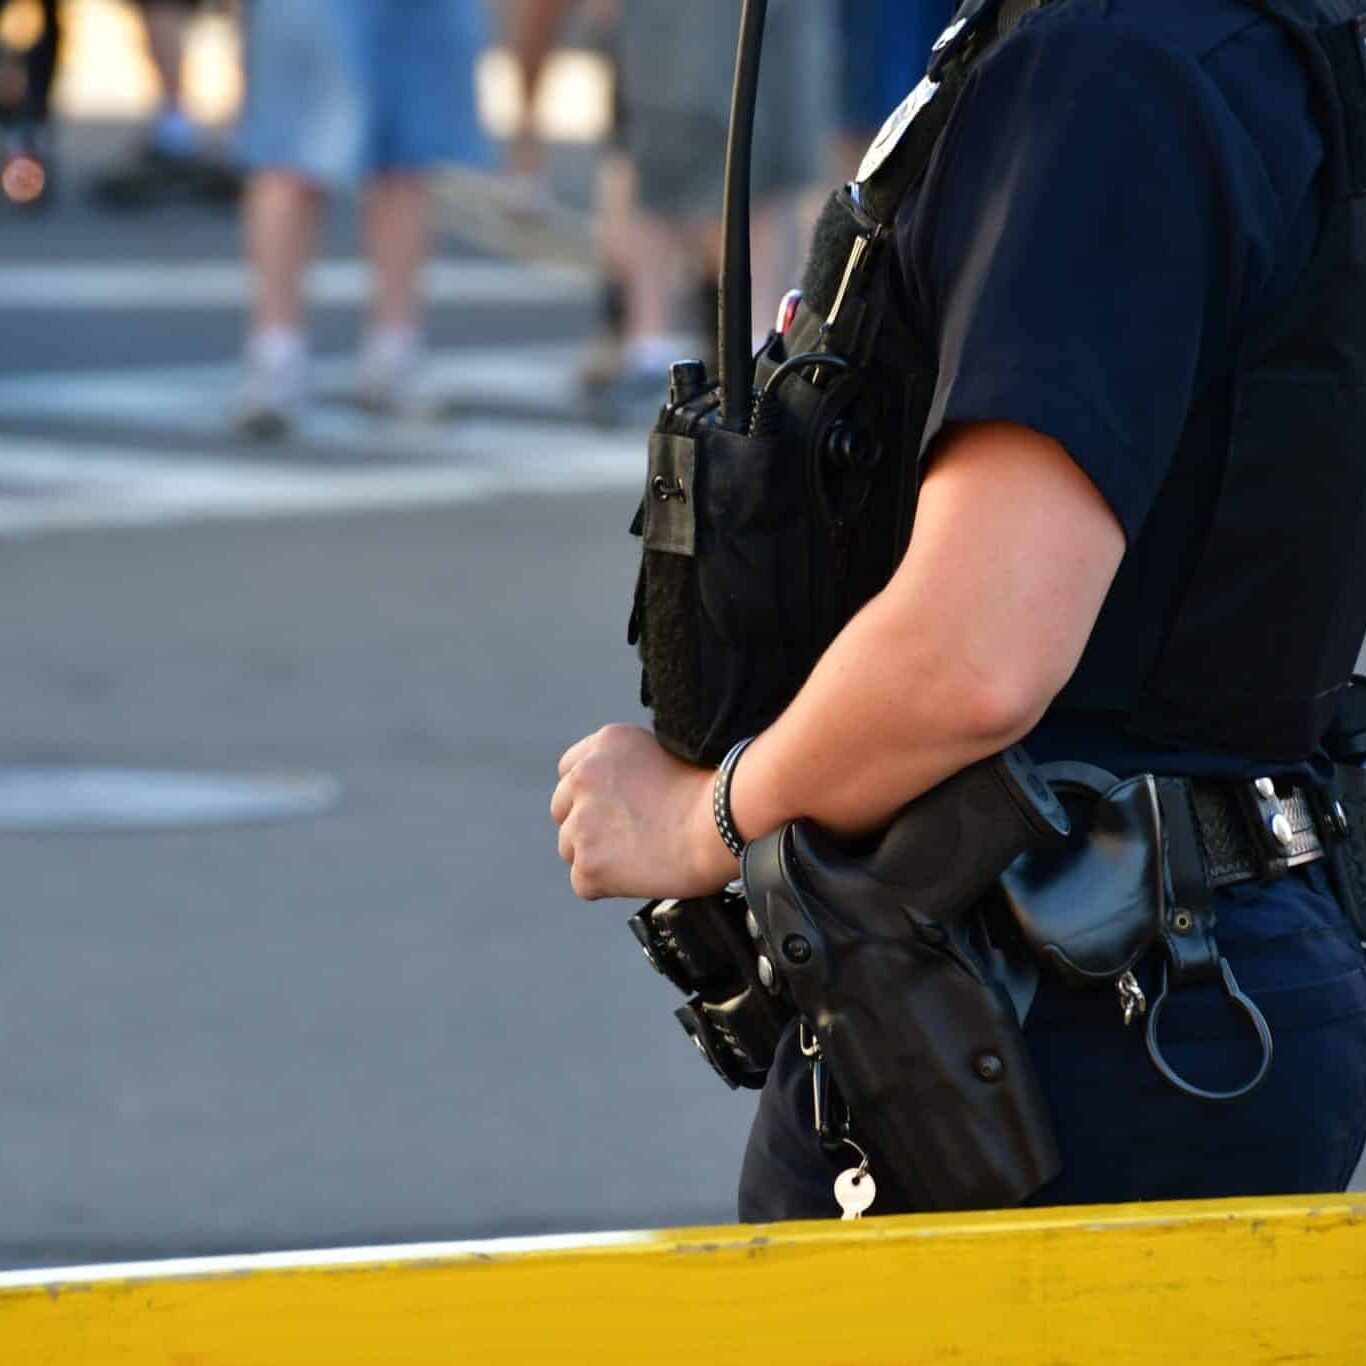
(880, 948)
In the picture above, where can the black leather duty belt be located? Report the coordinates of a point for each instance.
(1245, 831)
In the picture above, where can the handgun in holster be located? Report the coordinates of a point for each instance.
(879, 946)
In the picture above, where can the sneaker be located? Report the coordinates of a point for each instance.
(272, 390)
(388, 372)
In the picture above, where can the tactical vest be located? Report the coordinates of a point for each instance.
(759, 546)
(1266, 635)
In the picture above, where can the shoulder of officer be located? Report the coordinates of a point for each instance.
(1230, 65)
(1196, 29)
(1233, 57)
(1158, 159)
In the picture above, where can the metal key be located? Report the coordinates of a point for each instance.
(855, 1191)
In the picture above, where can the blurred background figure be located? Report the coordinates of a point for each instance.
(884, 46)
(676, 69)
(30, 37)
(660, 166)
(176, 159)
(344, 92)
(535, 28)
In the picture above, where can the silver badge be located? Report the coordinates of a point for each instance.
(890, 134)
(948, 35)
(905, 113)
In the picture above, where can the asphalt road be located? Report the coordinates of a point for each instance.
(392, 1021)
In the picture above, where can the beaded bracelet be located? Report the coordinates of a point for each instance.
(720, 799)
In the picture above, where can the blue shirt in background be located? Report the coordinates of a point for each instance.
(886, 45)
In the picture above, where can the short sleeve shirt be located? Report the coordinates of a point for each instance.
(1123, 190)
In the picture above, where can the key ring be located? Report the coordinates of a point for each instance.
(1255, 1017)
(848, 1142)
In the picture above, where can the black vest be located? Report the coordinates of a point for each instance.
(1267, 632)
(783, 533)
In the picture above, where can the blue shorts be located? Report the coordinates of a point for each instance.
(1125, 1134)
(337, 90)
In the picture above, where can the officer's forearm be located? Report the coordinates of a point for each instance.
(960, 655)
(879, 722)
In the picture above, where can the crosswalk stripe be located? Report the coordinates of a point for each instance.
(195, 401)
(511, 434)
(89, 488)
(163, 286)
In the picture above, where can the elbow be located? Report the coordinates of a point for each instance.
(999, 707)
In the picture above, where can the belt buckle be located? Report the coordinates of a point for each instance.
(1271, 834)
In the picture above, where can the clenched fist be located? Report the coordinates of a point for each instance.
(635, 821)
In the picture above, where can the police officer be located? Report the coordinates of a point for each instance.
(1137, 544)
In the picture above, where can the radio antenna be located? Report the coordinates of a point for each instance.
(735, 326)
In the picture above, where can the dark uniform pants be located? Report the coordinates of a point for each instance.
(1125, 1134)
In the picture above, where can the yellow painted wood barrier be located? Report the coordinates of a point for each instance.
(1238, 1281)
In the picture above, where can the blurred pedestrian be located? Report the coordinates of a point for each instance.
(534, 28)
(177, 159)
(340, 93)
(677, 66)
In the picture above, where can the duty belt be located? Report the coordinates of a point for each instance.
(1244, 831)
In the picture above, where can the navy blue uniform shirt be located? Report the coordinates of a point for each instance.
(1123, 190)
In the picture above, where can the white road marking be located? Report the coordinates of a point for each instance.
(196, 400)
(339, 460)
(85, 488)
(154, 285)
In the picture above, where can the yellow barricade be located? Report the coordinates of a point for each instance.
(1236, 1281)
